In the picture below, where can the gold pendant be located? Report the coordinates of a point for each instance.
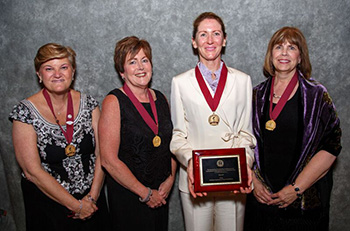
(157, 141)
(70, 150)
(270, 125)
(214, 119)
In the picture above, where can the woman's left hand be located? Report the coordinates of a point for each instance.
(284, 197)
(165, 187)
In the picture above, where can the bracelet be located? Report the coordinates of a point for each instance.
(297, 190)
(90, 198)
(80, 207)
(74, 214)
(148, 197)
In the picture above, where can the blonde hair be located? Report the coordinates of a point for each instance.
(51, 51)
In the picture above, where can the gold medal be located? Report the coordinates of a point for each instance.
(157, 141)
(270, 125)
(214, 119)
(70, 150)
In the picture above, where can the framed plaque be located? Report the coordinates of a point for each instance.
(219, 169)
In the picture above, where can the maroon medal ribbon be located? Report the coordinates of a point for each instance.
(69, 120)
(213, 102)
(283, 100)
(152, 124)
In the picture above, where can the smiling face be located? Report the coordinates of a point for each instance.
(56, 75)
(285, 58)
(137, 70)
(209, 41)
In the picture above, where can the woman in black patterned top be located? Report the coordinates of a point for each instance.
(56, 145)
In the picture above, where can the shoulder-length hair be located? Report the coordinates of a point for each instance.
(294, 36)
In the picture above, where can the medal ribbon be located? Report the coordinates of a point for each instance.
(142, 111)
(212, 102)
(284, 98)
(69, 119)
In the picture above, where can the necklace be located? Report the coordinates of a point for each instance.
(276, 96)
(60, 109)
(68, 134)
(271, 124)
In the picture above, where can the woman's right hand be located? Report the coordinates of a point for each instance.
(260, 192)
(156, 200)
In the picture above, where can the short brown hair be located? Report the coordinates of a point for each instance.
(294, 36)
(207, 15)
(130, 45)
(51, 51)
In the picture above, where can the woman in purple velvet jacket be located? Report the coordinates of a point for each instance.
(298, 140)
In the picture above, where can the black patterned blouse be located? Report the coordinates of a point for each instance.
(74, 173)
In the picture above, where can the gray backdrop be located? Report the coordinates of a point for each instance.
(92, 28)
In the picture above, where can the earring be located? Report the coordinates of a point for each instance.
(40, 80)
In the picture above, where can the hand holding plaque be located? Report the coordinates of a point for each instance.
(190, 181)
(219, 170)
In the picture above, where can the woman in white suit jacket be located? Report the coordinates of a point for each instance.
(190, 112)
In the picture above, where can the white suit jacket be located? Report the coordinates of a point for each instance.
(190, 112)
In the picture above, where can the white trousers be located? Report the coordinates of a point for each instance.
(216, 212)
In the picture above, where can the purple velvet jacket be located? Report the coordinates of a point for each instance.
(321, 132)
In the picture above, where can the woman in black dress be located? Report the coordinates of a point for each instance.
(135, 131)
(56, 145)
(298, 136)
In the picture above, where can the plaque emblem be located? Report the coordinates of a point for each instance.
(220, 163)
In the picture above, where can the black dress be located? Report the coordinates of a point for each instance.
(150, 165)
(282, 148)
(74, 173)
